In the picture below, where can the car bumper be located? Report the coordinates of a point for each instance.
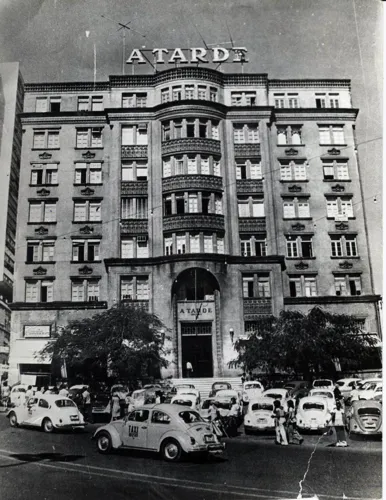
(211, 448)
(259, 427)
(366, 433)
(71, 426)
(311, 427)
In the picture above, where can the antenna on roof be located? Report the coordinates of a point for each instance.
(202, 38)
(123, 27)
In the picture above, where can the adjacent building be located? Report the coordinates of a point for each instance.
(207, 198)
(11, 105)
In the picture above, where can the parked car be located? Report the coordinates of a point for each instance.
(323, 382)
(346, 385)
(190, 392)
(223, 401)
(370, 390)
(364, 417)
(325, 393)
(296, 385)
(17, 394)
(75, 393)
(280, 393)
(190, 400)
(142, 397)
(165, 428)
(49, 412)
(259, 416)
(251, 390)
(179, 387)
(205, 408)
(219, 386)
(313, 413)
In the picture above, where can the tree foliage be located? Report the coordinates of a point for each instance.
(304, 343)
(125, 341)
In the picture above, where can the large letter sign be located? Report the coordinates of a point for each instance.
(193, 55)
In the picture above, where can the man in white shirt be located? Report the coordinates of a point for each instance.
(64, 391)
(189, 369)
(87, 408)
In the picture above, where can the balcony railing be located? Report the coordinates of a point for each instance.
(134, 152)
(133, 188)
(134, 226)
(256, 307)
(252, 224)
(199, 182)
(139, 304)
(198, 222)
(191, 145)
(249, 186)
(247, 150)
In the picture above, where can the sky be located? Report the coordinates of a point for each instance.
(285, 38)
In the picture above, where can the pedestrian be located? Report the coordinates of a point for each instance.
(5, 394)
(122, 403)
(39, 393)
(115, 407)
(189, 369)
(337, 394)
(292, 433)
(157, 397)
(243, 378)
(64, 391)
(338, 420)
(87, 407)
(29, 393)
(279, 416)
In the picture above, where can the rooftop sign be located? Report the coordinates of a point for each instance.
(193, 55)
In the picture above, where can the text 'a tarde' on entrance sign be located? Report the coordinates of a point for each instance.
(193, 55)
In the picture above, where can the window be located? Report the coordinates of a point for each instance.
(97, 103)
(296, 208)
(347, 285)
(138, 416)
(192, 165)
(251, 245)
(331, 134)
(293, 100)
(134, 208)
(293, 171)
(189, 92)
(333, 100)
(193, 202)
(135, 288)
(194, 240)
(302, 286)
(299, 246)
(83, 103)
(248, 169)
(320, 100)
(250, 206)
(216, 167)
(88, 173)
(134, 135)
(132, 100)
(176, 93)
(43, 104)
(213, 94)
(39, 291)
(279, 100)
(243, 98)
(168, 242)
(40, 251)
(289, 135)
(256, 285)
(167, 167)
(220, 245)
(165, 95)
(208, 243)
(42, 211)
(335, 170)
(46, 139)
(205, 165)
(85, 291)
(134, 171)
(245, 134)
(89, 138)
(135, 247)
(44, 174)
(201, 93)
(344, 246)
(339, 208)
(87, 211)
(86, 250)
(159, 417)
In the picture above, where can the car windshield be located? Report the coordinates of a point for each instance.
(273, 395)
(322, 383)
(340, 383)
(368, 386)
(190, 417)
(20, 389)
(262, 406)
(64, 403)
(183, 402)
(323, 394)
(313, 406)
(252, 386)
(369, 411)
(221, 386)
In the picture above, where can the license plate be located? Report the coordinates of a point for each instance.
(209, 439)
(74, 417)
(263, 420)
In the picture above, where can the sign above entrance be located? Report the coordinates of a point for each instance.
(193, 55)
(196, 311)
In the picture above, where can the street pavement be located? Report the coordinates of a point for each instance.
(66, 466)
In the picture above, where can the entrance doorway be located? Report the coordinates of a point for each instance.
(196, 346)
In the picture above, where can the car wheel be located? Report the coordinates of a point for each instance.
(103, 442)
(171, 450)
(48, 426)
(13, 420)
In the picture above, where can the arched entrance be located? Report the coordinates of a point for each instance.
(194, 293)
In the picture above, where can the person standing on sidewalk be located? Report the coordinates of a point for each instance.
(87, 407)
(293, 435)
(279, 416)
(338, 419)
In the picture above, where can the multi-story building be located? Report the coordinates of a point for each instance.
(210, 199)
(11, 105)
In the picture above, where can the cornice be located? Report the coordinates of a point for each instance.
(250, 113)
(190, 108)
(325, 114)
(309, 83)
(333, 299)
(48, 118)
(51, 306)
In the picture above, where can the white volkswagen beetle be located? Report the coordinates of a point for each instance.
(251, 390)
(281, 394)
(165, 428)
(190, 400)
(325, 393)
(313, 413)
(49, 412)
(259, 416)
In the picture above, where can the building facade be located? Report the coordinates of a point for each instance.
(210, 199)
(11, 105)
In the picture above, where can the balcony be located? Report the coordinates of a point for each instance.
(256, 307)
(252, 224)
(188, 182)
(247, 150)
(134, 226)
(137, 304)
(249, 186)
(133, 188)
(191, 145)
(129, 152)
(195, 222)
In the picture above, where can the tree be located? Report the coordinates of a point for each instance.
(125, 341)
(305, 343)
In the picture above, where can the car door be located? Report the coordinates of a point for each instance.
(134, 431)
(29, 411)
(160, 423)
